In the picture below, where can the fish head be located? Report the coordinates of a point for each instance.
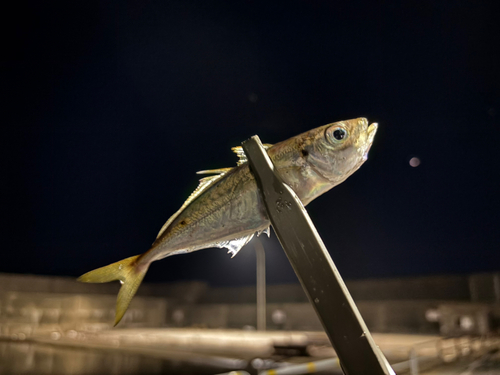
(337, 150)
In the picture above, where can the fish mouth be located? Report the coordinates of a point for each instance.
(370, 134)
(372, 129)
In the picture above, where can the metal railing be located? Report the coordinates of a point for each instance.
(422, 356)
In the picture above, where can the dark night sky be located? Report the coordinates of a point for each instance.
(111, 107)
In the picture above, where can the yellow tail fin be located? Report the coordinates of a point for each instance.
(129, 274)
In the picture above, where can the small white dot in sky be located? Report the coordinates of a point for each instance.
(414, 162)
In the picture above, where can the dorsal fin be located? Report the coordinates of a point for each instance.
(215, 171)
(238, 150)
(204, 184)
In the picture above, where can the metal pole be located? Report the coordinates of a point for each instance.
(413, 362)
(439, 349)
(261, 284)
(472, 289)
(496, 287)
(357, 352)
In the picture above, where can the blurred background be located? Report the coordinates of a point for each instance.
(111, 107)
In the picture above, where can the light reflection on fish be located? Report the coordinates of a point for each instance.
(226, 209)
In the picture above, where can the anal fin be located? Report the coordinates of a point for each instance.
(234, 246)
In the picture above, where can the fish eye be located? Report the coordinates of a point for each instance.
(337, 134)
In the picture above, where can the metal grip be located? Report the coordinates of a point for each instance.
(357, 352)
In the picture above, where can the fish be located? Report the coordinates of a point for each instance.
(226, 210)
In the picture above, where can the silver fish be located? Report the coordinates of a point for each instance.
(226, 209)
